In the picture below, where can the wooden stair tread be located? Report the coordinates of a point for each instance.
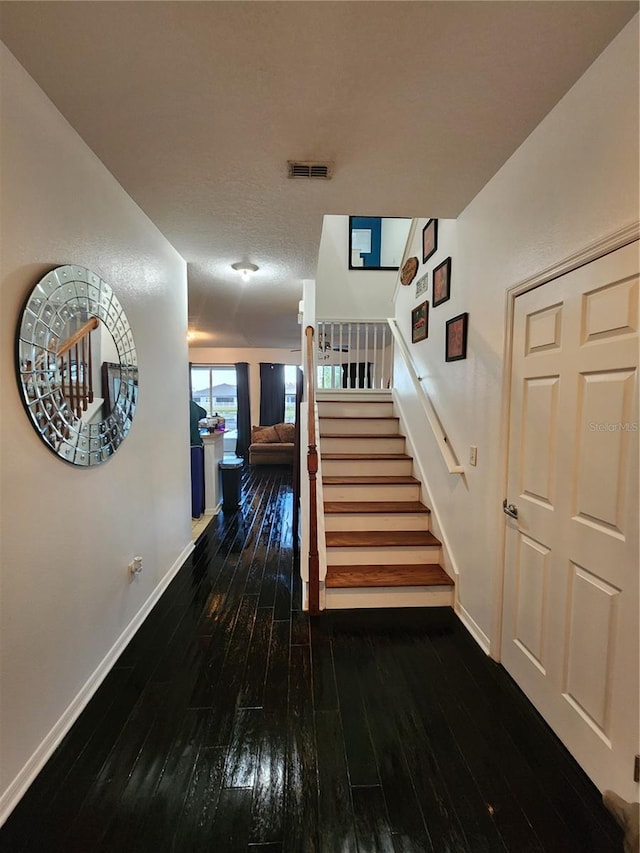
(366, 480)
(387, 507)
(379, 538)
(428, 574)
(365, 456)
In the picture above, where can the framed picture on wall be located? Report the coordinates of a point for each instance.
(420, 322)
(422, 284)
(429, 239)
(456, 338)
(441, 283)
(409, 270)
(111, 378)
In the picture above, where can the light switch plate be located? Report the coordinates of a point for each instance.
(473, 455)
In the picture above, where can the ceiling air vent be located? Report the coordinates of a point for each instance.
(309, 169)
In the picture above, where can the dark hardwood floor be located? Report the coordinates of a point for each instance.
(232, 722)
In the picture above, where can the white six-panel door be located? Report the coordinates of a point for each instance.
(571, 605)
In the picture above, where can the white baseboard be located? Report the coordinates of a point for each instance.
(11, 797)
(473, 628)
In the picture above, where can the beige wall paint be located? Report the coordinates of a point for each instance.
(253, 356)
(68, 534)
(573, 181)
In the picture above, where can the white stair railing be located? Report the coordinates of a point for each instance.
(354, 355)
(433, 420)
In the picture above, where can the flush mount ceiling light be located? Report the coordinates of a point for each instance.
(245, 269)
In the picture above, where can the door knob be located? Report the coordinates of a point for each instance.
(509, 509)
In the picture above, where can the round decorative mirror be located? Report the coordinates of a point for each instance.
(77, 365)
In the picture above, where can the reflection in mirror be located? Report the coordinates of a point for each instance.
(77, 365)
(377, 242)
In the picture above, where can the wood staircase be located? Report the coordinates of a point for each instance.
(380, 549)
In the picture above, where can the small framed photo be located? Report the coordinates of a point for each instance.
(429, 239)
(422, 285)
(441, 283)
(456, 338)
(420, 323)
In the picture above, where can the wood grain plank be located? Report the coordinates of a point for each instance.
(244, 750)
(267, 818)
(252, 691)
(426, 574)
(325, 691)
(386, 507)
(159, 798)
(276, 691)
(231, 826)
(361, 759)
(406, 821)
(194, 825)
(301, 817)
(372, 824)
(379, 538)
(335, 815)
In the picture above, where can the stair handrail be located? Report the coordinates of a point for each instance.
(439, 433)
(312, 469)
(71, 341)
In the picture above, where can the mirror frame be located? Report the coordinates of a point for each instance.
(57, 298)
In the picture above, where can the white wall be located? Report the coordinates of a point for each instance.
(573, 181)
(344, 294)
(67, 534)
(253, 356)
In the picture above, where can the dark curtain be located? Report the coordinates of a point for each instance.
(271, 393)
(244, 409)
(197, 481)
(357, 375)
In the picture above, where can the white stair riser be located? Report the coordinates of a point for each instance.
(395, 492)
(383, 555)
(392, 444)
(369, 426)
(366, 467)
(377, 521)
(349, 409)
(384, 596)
(341, 395)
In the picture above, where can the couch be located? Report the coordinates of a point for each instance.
(272, 445)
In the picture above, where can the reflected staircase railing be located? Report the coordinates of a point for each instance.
(75, 363)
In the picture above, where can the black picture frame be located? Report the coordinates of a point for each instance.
(420, 322)
(456, 338)
(429, 239)
(441, 290)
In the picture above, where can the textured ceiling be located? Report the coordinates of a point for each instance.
(195, 107)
